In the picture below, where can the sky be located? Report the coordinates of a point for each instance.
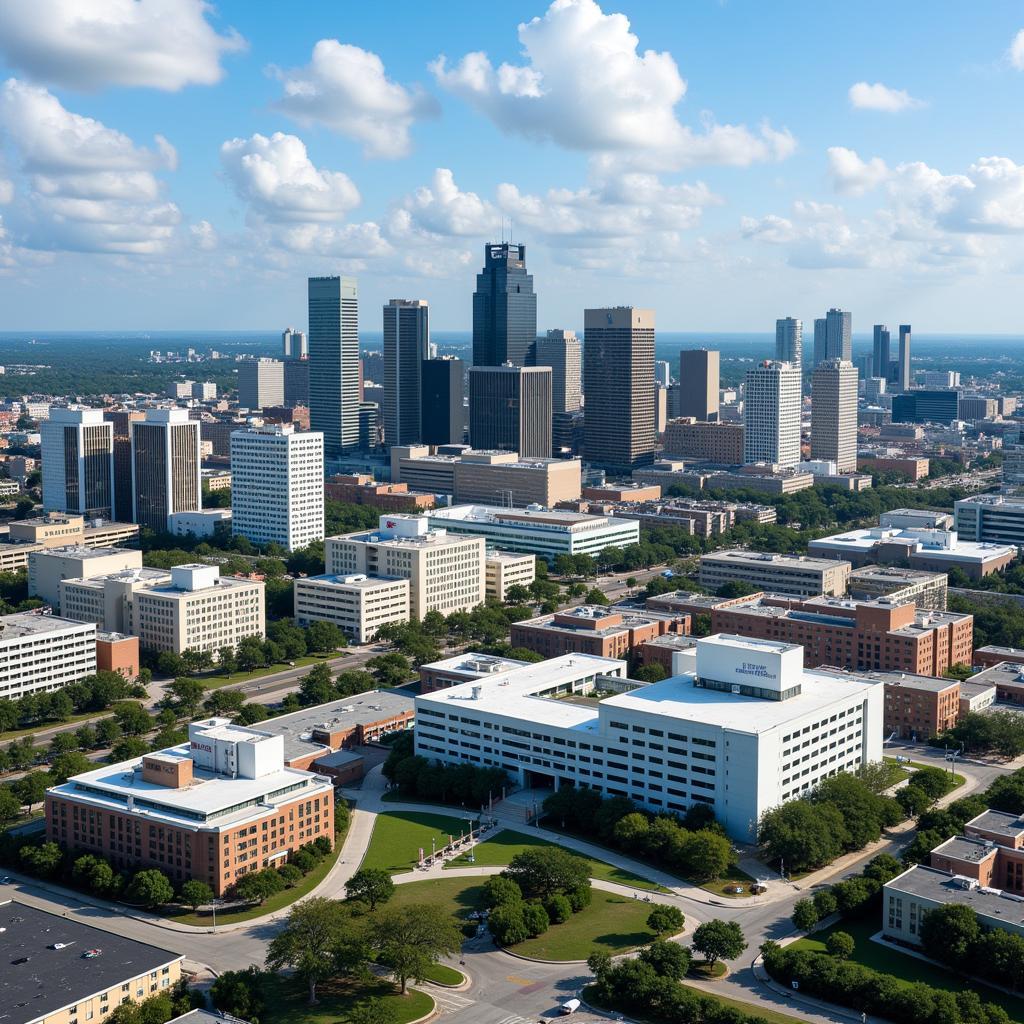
(177, 164)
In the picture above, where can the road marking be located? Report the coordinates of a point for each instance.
(518, 980)
(450, 1001)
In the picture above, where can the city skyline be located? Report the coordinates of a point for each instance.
(197, 188)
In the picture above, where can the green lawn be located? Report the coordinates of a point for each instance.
(286, 1001)
(442, 974)
(762, 1013)
(85, 716)
(398, 836)
(215, 680)
(458, 896)
(498, 850)
(612, 924)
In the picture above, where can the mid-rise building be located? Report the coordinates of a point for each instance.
(277, 493)
(618, 381)
(356, 603)
(927, 590)
(406, 346)
(442, 415)
(990, 519)
(49, 566)
(941, 379)
(260, 383)
(165, 467)
(334, 394)
(561, 350)
(78, 462)
(797, 575)
(589, 629)
(462, 668)
(59, 529)
(978, 407)
(711, 442)
(506, 569)
(918, 707)
(789, 340)
(834, 414)
(362, 489)
(744, 730)
(204, 522)
(213, 809)
(504, 308)
(699, 383)
(446, 572)
(293, 344)
(510, 409)
(296, 388)
(43, 653)
(913, 467)
(771, 415)
(108, 599)
(921, 406)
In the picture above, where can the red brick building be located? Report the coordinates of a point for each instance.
(592, 629)
(364, 490)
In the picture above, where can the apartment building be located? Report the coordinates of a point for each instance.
(781, 574)
(216, 808)
(107, 599)
(918, 707)
(48, 567)
(362, 489)
(42, 653)
(589, 629)
(505, 569)
(356, 603)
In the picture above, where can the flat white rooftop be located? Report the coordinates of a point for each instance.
(522, 518)
(22, 624)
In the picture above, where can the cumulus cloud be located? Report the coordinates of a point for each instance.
(90, 44)
(204, 236)
(852, 175)
(880, 97)
(443, 209)
(586, 86)
(346, 89)
(93, 189)
(1015, 55)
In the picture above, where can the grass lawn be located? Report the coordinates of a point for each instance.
(85, 716)
(458, 896)
(216, 680)
(398, 836)
(442, 974)
(705, 971)
(611, 923)
(499, 849)
(888, 959)
(286, 1001)
(762, 1013)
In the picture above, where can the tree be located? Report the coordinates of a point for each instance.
(170, 663)
(498, 890)
(195, 894)
(224, 702)
(410, 940)
(185, 695)
(913, 800)
(706, 855)
(133, 718)
(239, 993)
(390, 669)
(127, 749)
(324, 637)
(536, 919)
(719, 940)
(258, 886)
(317, 941)
(150, 888)
(31, 788)
(372, 885)
(805, 914)
(506, 923)
(669, 959)
(95, 873)
(948, 933)
(840, 945)
(373, 1011)
(802, 835)
(544, 870)
(558, 908)
(250, 654)
(10, 807)
(665, 920)
(66, 765)
(596, 596)
(43, 861)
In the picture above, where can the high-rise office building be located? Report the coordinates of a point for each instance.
(834, 414)
(820, 341)
(789, 340)
(904, 376)
(662, 373)
(78, 462)
(560, 350)
(771, 414)
(504, 308)
(880, 355)
(406, 346)
(165, 467)
(293, 344)
(618, 381)
(296, 382)
(121, 419)
(698, 383)
(334, 362)
(833, 336)
(442, 418)
(277, 485)
(260, 383)
(510, 409)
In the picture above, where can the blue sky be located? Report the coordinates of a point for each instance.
(172, 164)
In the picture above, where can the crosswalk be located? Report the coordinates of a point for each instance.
(449, 1002)
(515, 1019)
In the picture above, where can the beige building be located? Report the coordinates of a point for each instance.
(59, 529)
(48, 566)
(834, 414)
(508, 569)
(42, 653)
(711, 442)
(446, 572)
(357, 604)
(780, 574)
(107, 600)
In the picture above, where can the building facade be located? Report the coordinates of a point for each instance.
(505, 569)
(260, 383)
(504, 307)
(334, 362)
(771, 415)
(789, 340)
(711, 442)
(781, 574)
(406, 346)
(165, 467)
(49, 567)
(560, 350)
(510, 409)
(834, 414)
(587, 629)
(43, 653)
(357, 604)
(699, 383)
(78, 462)
(442, 416)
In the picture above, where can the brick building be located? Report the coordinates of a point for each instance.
(992, 654)
(361, 489)
(918, 707)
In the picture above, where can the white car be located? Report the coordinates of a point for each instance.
(61, 945)
(570, 1006)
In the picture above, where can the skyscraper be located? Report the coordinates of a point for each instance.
(334, 362)
(510, 409)
(880, 352)
(771, 414)
(789, 340)
(698, 383)
(165, 467)
(260, 383)
(618, 382)
(820, 341)
(504, 308)
(904, 378)
(406, 346)
(78, 462)
(560, 350)
(293, 344)
(833, 336)
(834, 414)
(442, 418)
(121, 419)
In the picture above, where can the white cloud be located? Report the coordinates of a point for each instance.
(6, 191)
(204, 236)
(586, 86)
(852, 175)
(90, 44)
(346, 89)
(92, 188)
(1015, 54)
(443, 209)
(880, 97)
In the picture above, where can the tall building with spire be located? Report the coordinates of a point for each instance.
(504, 308)
(334, 362)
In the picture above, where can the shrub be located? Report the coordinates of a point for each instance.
(499, 890)
(507, 924)
(558, 908)
(536, 919)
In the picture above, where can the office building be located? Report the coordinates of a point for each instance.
(214, 809)
(919, 707)
(789, 340)
(59, 529)
(834, 339)
(560, 350)
(874, 388)
(861, 635)
(356, 603)
(510, 409)
(698, 383)
(546, 534)
(834, 414)
(277, 494)
(204, 522)
(78, 462)
(990, 519)
(880, 354)
(406, 346)
(618, 380)
(165, 467)
(52, 981)
(588, 629)
(978, 407)
(781, 574)
(941, 379)
(47, 567)
(725, 727)
(662, 373)
(334, 362)
(442, 416)
(108, 599)
(904, 375)
(506, 569)
(43, 653)
(293, 344)
(921, 406)
(771, 415)
(445, 571)
(260, 383)
(296, 386)
(504, 308)
(122, 448)
(926, 590)
(463, 668)
(913, 467)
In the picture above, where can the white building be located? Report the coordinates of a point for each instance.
(48, 567)
(536, 531)
(357, 604)
(260, 383)
(834, 414)
(995, 518)
(78, 462)
(40, 653)
(771, 415)
(108, 600)
(506, 569)
(746, 730)
(277, 485)
(203, 522)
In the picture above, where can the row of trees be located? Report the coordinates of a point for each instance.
(417, 777)
(850, 897)
(954, 936)
(995, 732)
(14, 593)
(93, 693)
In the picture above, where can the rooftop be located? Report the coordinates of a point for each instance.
(52, 979)
(765, 558)
(691, 597)
(475, 664)
(966, 849)
(519, 518)
(31, 624)
(1009, 825)
(943, 887)
(357, 580)
(906, 680)
(893, 572)
(1006, 673)
(81, 551)
(587, 618)
(942, 544)
(143, 575)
